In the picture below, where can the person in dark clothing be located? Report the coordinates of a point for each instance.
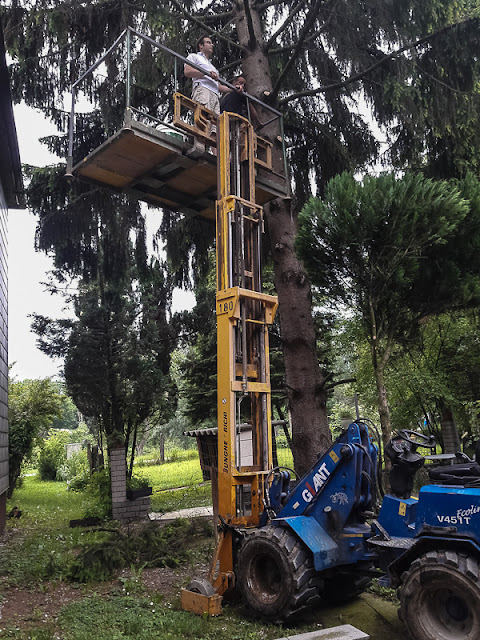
(236, 102)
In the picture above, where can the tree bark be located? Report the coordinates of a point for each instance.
(450, 437)
(383, 408)
(379, 361)
(304, 381)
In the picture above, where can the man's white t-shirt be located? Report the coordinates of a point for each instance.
(202, 61)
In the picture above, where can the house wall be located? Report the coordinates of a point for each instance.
(3, 361)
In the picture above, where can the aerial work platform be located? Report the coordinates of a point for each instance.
(151, 165)
(151, 160)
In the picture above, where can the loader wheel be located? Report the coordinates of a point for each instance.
(440, 597)
(275, 573)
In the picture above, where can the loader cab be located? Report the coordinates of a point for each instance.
(406, 461)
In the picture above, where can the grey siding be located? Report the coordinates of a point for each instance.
(3, 347)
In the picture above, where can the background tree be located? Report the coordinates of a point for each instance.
(70, 418)
(373, 246)
(32, 407)
(316, 60)
(117, 351)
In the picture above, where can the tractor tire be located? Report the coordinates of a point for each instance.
(344, 587)
(275, 573)
(440, 597)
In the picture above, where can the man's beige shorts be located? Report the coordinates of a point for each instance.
(206, 98)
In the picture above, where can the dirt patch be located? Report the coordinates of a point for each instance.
(169, 581)
(21, 606)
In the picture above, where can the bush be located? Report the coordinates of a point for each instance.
(138, 482)
(75, 470)
(98, 493)
(53, 455)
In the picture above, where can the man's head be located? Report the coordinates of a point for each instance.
(205, 46)
(239, 83)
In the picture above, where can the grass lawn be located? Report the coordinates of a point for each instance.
(47, 503)
(169, 475)
(50, 586)
(40, 601)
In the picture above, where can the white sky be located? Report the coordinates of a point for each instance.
(28, 268)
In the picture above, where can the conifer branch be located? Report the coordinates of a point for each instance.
(252, 41)
(310, 38)
(361, 74)
(298, 47)
(261, 6)
(438, 81)
(286, 23)
(332, 385)
(206, 28)
(214, 17)
(230, 65)
(278, 50)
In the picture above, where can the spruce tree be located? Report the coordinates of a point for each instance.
(411, 64)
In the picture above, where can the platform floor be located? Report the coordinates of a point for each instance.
(152, 165)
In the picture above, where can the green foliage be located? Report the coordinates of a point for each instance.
(76, 469)
(196, 362)
(138, 482)
(97, 493)
(390, 251)
(53, 455)
(150, 546)
(364, 243)
(69, 418)
(33, 405)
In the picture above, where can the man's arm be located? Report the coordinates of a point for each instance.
(224, 89)
(190, 72)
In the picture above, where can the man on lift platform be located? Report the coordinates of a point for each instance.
(206, 88)
(236, 102)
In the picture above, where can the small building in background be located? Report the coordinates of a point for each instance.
(11, 197)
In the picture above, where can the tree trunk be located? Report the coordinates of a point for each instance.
(379, 361)
(383, 408)
(450, 437)
(304, 381)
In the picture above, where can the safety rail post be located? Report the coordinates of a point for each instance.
(70, 134)
(129, 71)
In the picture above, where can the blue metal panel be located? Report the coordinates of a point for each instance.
(447, 506)
(397, 516)
(337, 485)
(324, 549)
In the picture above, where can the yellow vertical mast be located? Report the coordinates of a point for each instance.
(243, 316)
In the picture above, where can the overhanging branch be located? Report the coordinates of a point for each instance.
(339, 382)
(230, 65)
(362, 74)
(202, 24)
(261, 6)
(286, 23)
(298, 47)
(214, 17)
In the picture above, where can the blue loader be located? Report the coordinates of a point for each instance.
(325, 538)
